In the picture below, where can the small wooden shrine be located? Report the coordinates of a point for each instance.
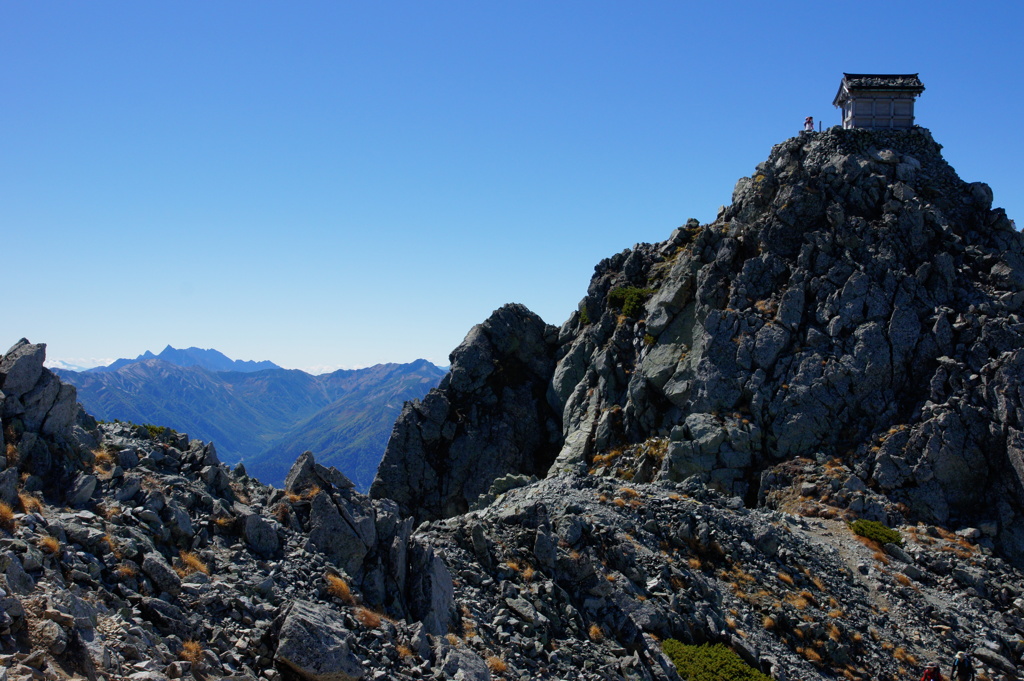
(873, 101)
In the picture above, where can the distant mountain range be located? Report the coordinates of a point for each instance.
(257, 412)
(212, 360)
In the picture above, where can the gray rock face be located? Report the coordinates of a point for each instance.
(489, 417)
(163, 576)
(21, 368)
(313, 643)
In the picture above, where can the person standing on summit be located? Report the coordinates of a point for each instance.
(809, 124)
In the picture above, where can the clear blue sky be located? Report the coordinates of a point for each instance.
(346, 183)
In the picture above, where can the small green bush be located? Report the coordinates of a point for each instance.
(155, 432)
(584, 316)
(630, 299)
(709, 663)
(876, 531)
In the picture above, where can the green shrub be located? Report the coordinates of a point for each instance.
(155, 432)
(630, 299)
(876, 531)
(709, 663)
(584, 316)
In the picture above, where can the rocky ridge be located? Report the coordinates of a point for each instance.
(857, 300)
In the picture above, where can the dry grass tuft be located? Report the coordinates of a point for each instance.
(13, 456)
(403, 650)
(30, 503)
(368, 618)
(6, 516)
(191, 651)
(595, 632)
(528, 573)
(50, 544)
(834, 632)
(694, 563)
(190, 564)
(312, 492)
(903, 656)
(103, 459)
(125, 571)
(496, 664)
(513, 565)
(339, 588)
(453, 639)
(282, 513)
(785, 578)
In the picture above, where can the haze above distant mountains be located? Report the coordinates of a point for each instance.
(257, 412)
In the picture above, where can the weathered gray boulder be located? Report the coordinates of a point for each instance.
(314, 644)
(431, 592)
(20, 368)
(260, 535)
(331, 535)
(163, 575)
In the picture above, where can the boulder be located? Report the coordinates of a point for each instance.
(314, 644)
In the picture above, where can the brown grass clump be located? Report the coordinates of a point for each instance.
(620, 502)
(191, 651)
(339, 588)
(694, 563)
(810, 654)
(282, 513)
(30, 503)
(103, 459)
(224, 522)
(190, 564)
(903, 656)
(496, 664)
(514, 565)
(595, 632)
(785, 578)
(368, 618)
(834, 632)
(628, 493)
(125, 571)
(403, 650)
(452, 639)
(528, 573)
(768, 622)
(6, 516)
(311, 492)
(49, 544)
(12, 455)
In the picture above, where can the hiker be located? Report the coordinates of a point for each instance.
(963, 668)
(931, 673)
(809, 124)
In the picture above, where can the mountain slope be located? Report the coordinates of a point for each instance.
(142, 552)
(351, 432)
(250, 414)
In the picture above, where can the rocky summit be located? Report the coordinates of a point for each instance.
(795, 432)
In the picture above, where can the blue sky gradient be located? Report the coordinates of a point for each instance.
(328, 184)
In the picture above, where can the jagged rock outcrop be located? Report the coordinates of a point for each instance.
(857, 300)
(489, 417)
